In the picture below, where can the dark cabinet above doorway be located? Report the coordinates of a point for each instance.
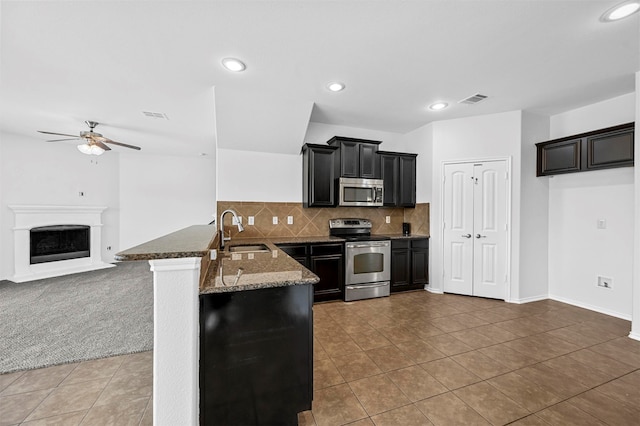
(357, 157)
(600, 149)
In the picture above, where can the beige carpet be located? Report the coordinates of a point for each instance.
(76, 317)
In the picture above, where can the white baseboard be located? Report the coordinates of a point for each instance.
(626, 317)
(60, 272)
(433, 290)
(634, 336)
(529, 299)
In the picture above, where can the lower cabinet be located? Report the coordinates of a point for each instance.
(409, 264)
(326, 260)
(256, 356)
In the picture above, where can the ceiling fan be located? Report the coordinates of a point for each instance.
(95, 143)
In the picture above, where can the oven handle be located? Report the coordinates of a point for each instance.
(351, 245)
(357, 287)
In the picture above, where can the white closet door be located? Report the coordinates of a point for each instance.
(458, 228)
(475, 229)
(490, 230)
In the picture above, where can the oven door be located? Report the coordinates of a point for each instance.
(368, 262)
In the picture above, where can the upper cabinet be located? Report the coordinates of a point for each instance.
(357, 157)
(319, 172)
(398, 171)
(599, 149)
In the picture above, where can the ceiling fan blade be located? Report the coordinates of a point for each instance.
(101, 145)
(60, 140)
(58, 134)
(122, 144)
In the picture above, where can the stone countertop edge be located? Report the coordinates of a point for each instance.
(260, 270)
(193, 241)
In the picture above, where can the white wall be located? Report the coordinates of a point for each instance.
(578, 251)
(268, 177)
(320, 133)
(420, 141)
(162, 194)
(635, 325)
(259, 176)
(479, 137)
(534, 218)
(39, 173)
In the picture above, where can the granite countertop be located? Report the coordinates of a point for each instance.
(193, 241)
(258, 269)
(405, 237)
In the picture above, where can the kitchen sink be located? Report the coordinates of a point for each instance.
(249, 248)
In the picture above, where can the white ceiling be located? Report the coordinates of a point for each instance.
(65, 62)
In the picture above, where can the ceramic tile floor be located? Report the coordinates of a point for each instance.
(410, 359)
(419, 359)
(108, 391)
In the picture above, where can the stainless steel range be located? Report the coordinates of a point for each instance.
(368, 259)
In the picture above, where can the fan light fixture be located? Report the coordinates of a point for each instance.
(438, 106)
(621, 10)
(89, 149)
(233, 64)
(336, 86)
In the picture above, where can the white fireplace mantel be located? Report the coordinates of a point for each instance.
(33, 216)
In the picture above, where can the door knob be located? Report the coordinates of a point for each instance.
(466, 236)
(480, 236)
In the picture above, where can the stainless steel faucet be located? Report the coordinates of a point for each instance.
(222, 237)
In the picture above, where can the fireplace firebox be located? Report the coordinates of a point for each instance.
(59, 242)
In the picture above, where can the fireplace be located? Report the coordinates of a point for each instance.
(59, 242)
(50, 241)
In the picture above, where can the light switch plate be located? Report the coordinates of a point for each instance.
(387, 219)
(251, 219)
(289, 220)
(275, 220)
(602, 223)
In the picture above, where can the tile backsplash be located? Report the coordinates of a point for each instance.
(315, 221)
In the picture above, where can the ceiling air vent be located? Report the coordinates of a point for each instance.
(473, 99)
(160, 115)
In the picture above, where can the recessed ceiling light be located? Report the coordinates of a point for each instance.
(621, 10)
(438, 106)
(336, 86)
(233, 64)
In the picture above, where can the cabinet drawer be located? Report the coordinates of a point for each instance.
(399, 244)
(422, 243)
(326, 249)
(294, 250)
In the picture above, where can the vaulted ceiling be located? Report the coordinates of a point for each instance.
(110, 61)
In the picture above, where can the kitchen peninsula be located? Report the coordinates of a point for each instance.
(258, 303)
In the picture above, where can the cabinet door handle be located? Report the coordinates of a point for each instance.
(480, 236)
(466, 236)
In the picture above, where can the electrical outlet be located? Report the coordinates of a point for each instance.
(81, 194)
(289, 220)
(251, 220)
(387, 219)
(275, 220)
(602, 224)
(605, 282)
(108, 247)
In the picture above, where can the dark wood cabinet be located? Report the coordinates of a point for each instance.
(326, 260)
(409, 264)
(398, 171)
(319, 172)
(358, 157)
(600, 149)
(256, 356)
(420, 261)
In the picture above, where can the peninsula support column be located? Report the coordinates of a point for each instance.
(175, 341)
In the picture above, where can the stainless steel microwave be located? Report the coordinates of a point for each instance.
(358, 192)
